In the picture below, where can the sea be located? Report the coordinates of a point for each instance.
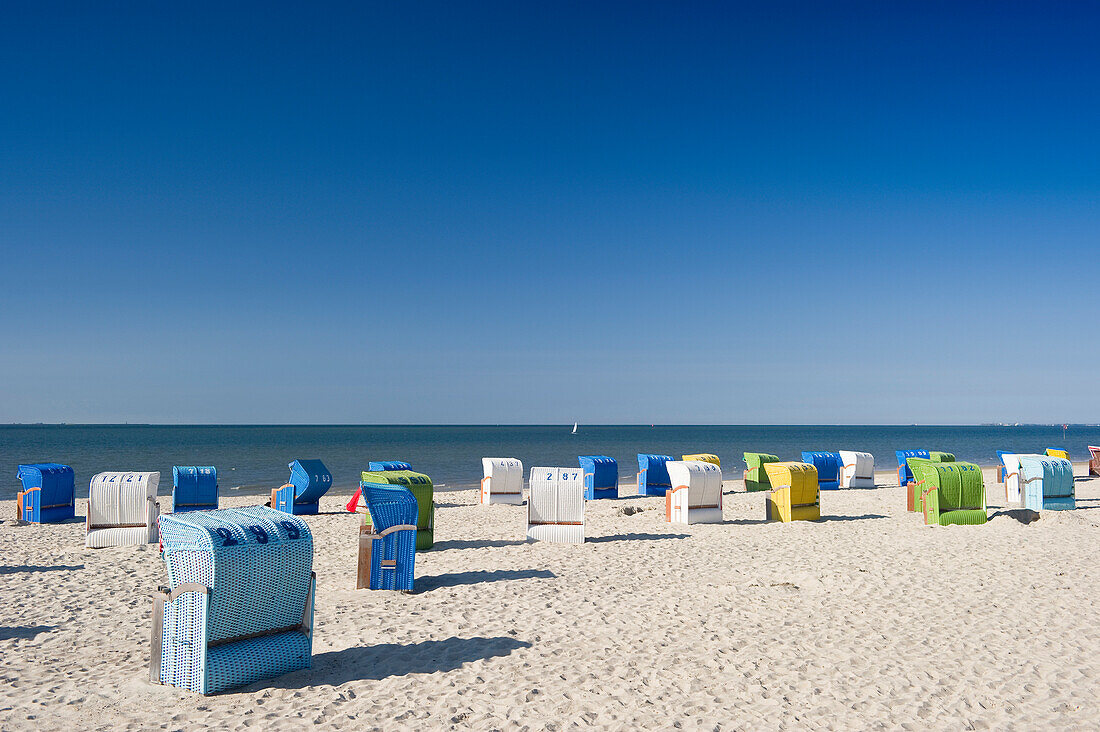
(253, 459)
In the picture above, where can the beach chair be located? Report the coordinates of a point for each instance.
(1094, 460)
(378, 466)
(704, 457)
(857, 469)
(48, 495)
(555, 505)
(387, 543)
(301, 495)
(239, 603)
(653, 477)
(601, 476)
(194, 488)
(756, 478)
(422, 489)
(1055, 452)
(828, 465)
(905, 475)
(696, 493)
(950, 493)
(941, 457)
(1001, 468)
(1044, 482)
(503, 481)
(794, 495)
(122, 510)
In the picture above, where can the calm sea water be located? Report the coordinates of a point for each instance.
(253, 459)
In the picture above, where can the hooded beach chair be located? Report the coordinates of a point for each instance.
(122, 510)
(378, 466)
(653, 477)
(696, 493)
(301, 495)
(704, 457)
(601, 476)
(905, 475)
(1039, 482)
(1001, 468)
(503, 481)
(422, 489)
(756, 478)
(941, 457)
(950, 493)
(194, 488)
(1055, 452)
(387, 543)
(794, 495)
(1094, 460)
(555, 505)
(857, 469)
(239, 602)
(828, 465)
(48, 495)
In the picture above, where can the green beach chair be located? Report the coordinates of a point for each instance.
(756, 478)
(421, 487)
(950, 493)
(941, 457)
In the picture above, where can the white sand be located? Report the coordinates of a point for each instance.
(865, 620)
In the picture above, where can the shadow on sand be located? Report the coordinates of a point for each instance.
(8, 569)
(477, 576)
(24, 632)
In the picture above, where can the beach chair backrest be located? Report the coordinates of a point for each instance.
(959, 485)
(56, 483)
(828, 465)
(653, 471)
(381, 465)
(1055, 473)
(311, 480)
(1057, 452)
(194, 487)
(705, 457)
(504, 475)
(857, 469)
(702, 481)
(121, 499)
(555, 504)
(801, 477)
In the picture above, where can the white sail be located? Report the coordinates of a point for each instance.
(574, 428)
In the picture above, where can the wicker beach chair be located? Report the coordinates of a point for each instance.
(905, 475)
(794, 495)
(941, 457)
(1058, 453)
(1001, 469)
(1044, 482)
(828, 465)
(387, 543)
(1094, 460)
(422, 489)
(48, 495)
(653, 477)
(857, 469)
(705, 457)
(503, 481)
(301, 495)
(239, 604)
(601, 476)
(122, 510)
(194, 488)
(555, 505)
(756, 478)
(950, 493)
(696, 493)
(377, 466)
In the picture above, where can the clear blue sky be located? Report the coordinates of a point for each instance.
(520, 212)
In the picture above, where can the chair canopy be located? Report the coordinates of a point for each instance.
(857, 469)
(653, 477)
(696, 494)
(380, 465)
(828, 466)
(310, 479)
(601, 476)
(756, 478)
(904, 473)
(49, 492)
(1057, 452)
(194, 488)
(555, 505)
(941, 457)
(704, 457)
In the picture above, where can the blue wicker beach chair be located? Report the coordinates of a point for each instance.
(194, 488)
(829, 466)
(378, 466)
(653, 477)
(905, 475)
(48, 495)
(309, 480)
(239, 605)
(387, 546)
(601, 476)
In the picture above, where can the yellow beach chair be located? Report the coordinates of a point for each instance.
(703, 457)
(794, 496)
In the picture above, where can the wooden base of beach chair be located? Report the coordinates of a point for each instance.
(362, 573)
(19, 505)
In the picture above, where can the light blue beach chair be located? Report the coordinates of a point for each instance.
(48, 495)
(301, 495)
(601, 476)
(653, 477)
(194, 488)
(1046, 483)
(239, 604)
(387, 547)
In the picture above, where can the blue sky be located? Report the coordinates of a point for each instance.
(521, 213)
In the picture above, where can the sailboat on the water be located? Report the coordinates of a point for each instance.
(574, 429)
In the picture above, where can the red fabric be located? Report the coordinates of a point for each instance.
(354, 502)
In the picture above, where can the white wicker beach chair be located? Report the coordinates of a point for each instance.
(696, 493)
(555, 505)
(122, 509)
(503, 481)
(857, 469)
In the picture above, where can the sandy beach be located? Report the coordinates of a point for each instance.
(868, 619)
